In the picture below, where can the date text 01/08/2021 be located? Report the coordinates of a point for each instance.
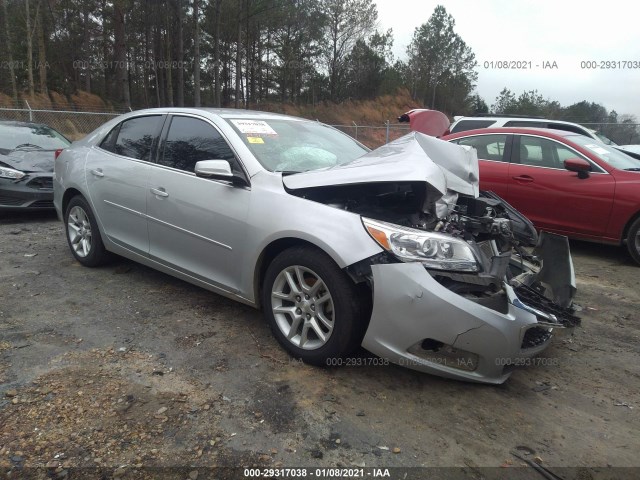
(519, 64)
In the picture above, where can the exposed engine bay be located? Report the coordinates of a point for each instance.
(462, 280)
(500, 237)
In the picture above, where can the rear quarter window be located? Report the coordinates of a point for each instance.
(525, 123)
(464, 125)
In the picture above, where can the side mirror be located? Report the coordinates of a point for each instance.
(219, 169)
(578, 165)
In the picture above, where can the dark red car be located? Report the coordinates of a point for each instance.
(563, 182)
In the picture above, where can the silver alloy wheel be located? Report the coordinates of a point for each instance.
(302, 307)
(79, 229)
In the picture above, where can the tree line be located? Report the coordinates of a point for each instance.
(237, 53)
(241, 53)
(621, 128)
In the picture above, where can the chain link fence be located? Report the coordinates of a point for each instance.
(375, 135)
(72, 124)
(625, 133)
(76, 124)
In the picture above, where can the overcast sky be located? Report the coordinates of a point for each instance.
(538, 31)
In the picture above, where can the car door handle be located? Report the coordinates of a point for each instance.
(97, 172)
(523, 178)
(159, 192)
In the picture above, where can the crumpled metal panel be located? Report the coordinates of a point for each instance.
(412, 158)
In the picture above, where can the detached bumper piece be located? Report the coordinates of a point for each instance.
(550, 291)
(564, 315)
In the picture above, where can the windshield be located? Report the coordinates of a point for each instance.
(293, 146)
(606, 153)
(25, 137)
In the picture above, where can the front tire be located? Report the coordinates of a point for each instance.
(83, 235)
(314, 309)
(633, 240)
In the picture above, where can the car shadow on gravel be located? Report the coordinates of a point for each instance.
(613, 253)
(27, 217)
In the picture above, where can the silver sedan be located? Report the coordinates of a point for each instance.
(393, 249)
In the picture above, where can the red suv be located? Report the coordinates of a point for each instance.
(563, 182)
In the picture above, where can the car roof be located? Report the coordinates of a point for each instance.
(221, 112)
(546, 132)
(17, 123)
(509, 118)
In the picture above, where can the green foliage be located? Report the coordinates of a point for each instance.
(440, 65)
(367, 67)
(346, 23)
(529, 104)
(478, 105)
(622, 130)
(143, 53)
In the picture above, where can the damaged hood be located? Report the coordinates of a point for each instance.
(411, 158)
(30, 160)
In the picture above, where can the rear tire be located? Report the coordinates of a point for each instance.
(314, 309)
(83, 235)
(633, 240)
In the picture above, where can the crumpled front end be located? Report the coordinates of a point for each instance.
(431, 323)
(457, 291)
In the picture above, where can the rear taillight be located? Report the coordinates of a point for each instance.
(57, 153)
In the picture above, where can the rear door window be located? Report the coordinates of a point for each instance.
(110, 140)
(136, 137)
(489, 147)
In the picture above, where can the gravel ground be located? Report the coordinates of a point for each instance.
(124, 368)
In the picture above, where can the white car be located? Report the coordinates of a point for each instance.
(630, 148)
(461, 124)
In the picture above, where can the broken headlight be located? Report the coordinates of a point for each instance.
(434, 250)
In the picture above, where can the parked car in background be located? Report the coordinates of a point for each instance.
(461, 124)
(631, 150)
(430, 122)
(299, 219)
(563, 182)
(27, 153)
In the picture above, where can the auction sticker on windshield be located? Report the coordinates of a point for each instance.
(254, 127)
(597, 149)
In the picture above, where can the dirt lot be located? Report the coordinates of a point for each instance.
(126, 368)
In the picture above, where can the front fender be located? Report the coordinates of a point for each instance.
(337, 232)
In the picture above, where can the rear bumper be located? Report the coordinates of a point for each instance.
(33, 192)
(411, 310)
